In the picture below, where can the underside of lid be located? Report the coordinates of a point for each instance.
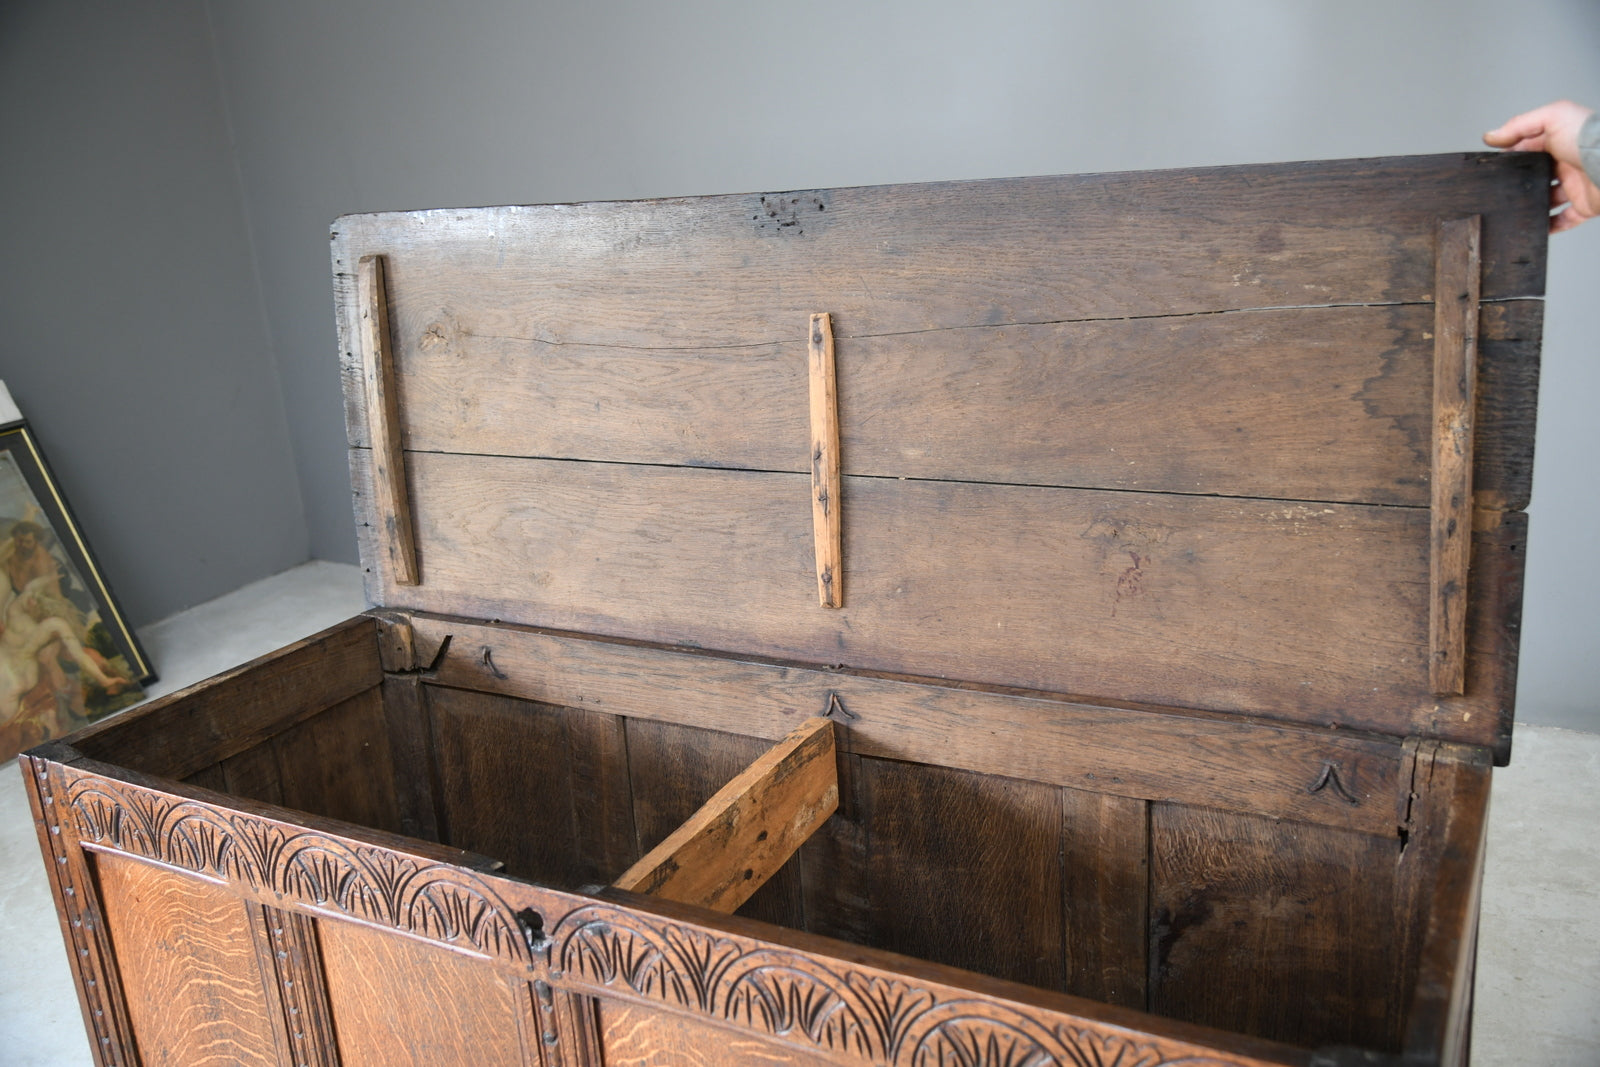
(1251, 440)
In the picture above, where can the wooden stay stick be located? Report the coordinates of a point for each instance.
(728, 849)
(825, 512)
(391, 507)
(1455, 371)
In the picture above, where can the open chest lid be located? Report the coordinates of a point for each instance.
(1248, 440)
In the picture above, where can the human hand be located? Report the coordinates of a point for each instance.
(1554, 129)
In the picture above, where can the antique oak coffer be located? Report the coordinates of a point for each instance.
(1036, 621)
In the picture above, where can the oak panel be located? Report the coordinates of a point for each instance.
(637, 1036)
(1219, 604)
(253, 773)
(411, 746)
(187, 962)
(1105, 871)
(1276, 929)
(211, 777)
(545, 790)
(398, 1002)
(337, 764)
(961, 869)
(1302, 404)
(750, 268)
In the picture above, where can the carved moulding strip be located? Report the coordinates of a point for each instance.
(87, 945)
(847, 1011)
(282, 864)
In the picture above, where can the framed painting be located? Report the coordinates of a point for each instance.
(67, 655)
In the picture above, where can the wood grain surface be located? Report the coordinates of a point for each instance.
(338, 764)
(1105, 868)
(389, 943)
(1214, 762)
(726, 270)
(401, 1003)
(1218, 604)
(637, 1036)
(187, 731)
(674, 770)
(826, 503)
(1455, 385)
(187, 960)
(1281, 930)
(944, 848)
(1306, 404)
(383, 407)
(544, 790)
(1440, 884)
(1267, 350)
(728, 849)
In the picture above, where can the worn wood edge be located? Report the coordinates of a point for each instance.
(332, 666)
(391, 507)
(397, 651)
(1494, 627)
(98, 986)
(1510, 337)
(1455, 372)
(738, 839)
(826, 502)
(1453, 825)
(1163, 755)
(376, 879)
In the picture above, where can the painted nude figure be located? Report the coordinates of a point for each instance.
(27, 630)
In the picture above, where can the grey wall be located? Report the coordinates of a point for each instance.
(131, 325)
(358, 105)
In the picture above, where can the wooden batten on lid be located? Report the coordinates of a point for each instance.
(383, 408)
(1455, 378)
(1283, 478)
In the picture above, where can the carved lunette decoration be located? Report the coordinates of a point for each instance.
(434, 901)
(849, 1011)
(830, 1007)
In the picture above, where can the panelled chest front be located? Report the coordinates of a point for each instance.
(1127, 568)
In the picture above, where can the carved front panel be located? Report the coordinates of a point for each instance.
(561, 948)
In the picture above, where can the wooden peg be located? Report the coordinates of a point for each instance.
(391, 508)
(1457, 279)
(825, 502)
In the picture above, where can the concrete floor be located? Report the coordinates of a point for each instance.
(1538, 990)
